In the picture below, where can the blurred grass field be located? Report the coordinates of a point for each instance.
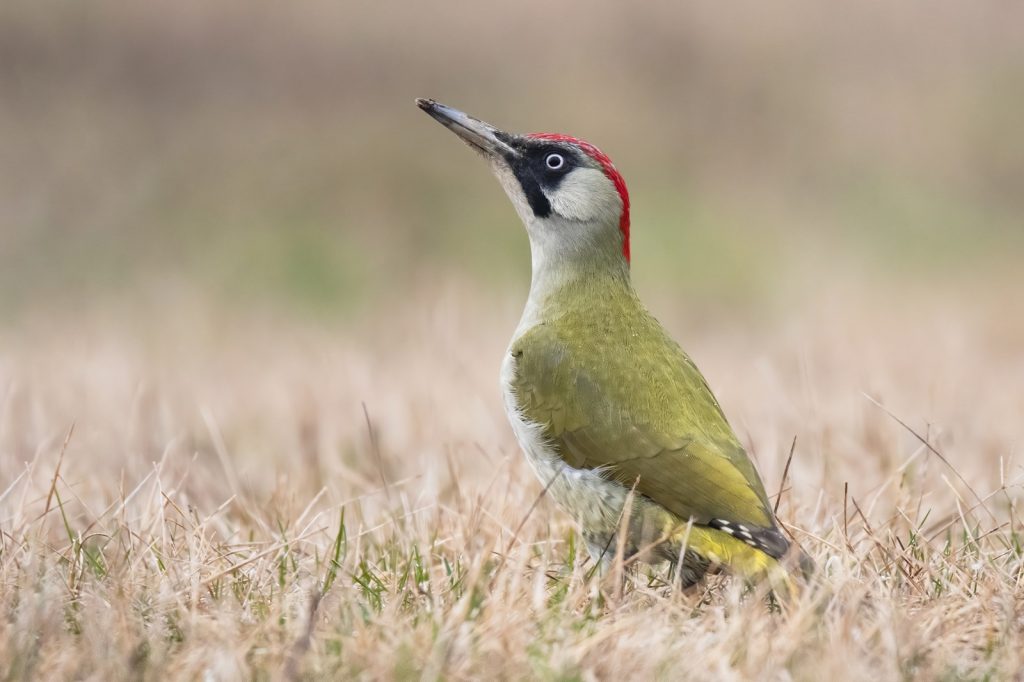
(262, 152)
(267, 299)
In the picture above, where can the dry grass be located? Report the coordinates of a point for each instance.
(253, 497)
(264, 499)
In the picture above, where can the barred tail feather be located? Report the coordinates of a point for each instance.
(736, 556)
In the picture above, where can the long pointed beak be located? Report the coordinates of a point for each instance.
(483, 137)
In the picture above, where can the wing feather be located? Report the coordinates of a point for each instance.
(642, 412)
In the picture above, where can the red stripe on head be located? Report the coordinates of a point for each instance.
(609, 170)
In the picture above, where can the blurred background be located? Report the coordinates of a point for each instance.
(231, 217)
(268, 156)
(265, 288)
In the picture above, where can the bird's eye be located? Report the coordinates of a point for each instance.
(554, 161)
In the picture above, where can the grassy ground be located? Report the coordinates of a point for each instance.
(826, 212)
(187, 496)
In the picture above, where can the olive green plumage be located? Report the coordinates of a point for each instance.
(613, 392)
(616, 420)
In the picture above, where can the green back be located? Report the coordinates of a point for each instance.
(613, 391)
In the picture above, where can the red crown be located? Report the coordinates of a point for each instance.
(609, 170)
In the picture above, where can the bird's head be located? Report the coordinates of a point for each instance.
(570, 197)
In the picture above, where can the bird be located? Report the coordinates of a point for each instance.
(616, 420)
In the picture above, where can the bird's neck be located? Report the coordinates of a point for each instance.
(570, 276)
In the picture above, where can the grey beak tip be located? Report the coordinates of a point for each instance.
(481, 136)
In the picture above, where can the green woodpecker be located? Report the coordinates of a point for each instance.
(606, 406)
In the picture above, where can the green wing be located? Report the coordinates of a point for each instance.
(614, 392)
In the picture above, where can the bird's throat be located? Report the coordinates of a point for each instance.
(573, 259)
(563, 289)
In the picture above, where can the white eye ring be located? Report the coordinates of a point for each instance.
(554, 161)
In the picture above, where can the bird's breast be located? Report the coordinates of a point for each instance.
(595, 501)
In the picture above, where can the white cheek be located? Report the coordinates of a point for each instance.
(586, 195)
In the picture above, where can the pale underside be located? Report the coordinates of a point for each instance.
(596, 502)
